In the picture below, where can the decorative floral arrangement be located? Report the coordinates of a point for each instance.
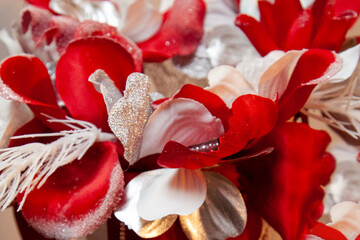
(181, 119)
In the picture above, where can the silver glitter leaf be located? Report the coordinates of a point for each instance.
(128, 212)
(129, 114)
(222, 215)
(104, 85)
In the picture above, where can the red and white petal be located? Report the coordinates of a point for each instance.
(253, 69)
(182, 120)
(171, 191)
(222, 215)
(228, 83)
(211, 101)
(314, 66)
(321, 231)
(127, 212)
(275, 79)
(83, 57)
(79, 196)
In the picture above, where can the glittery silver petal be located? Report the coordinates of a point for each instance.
(106, 86)
(222, 215)
(129, 114)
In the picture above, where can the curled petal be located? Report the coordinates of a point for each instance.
(82, 57)
(79, 196)
(222, 215)
(314, 66)
(179, 120)
(171, 191)
(128, 213)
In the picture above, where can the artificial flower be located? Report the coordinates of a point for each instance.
(286, 25)
(176, 123)
(70, 212)
(160, 36)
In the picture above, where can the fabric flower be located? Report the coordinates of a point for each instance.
(286, 25)
(51, 163)
(172, 130)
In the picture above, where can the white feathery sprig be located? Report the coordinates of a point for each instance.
(28, 166)
(334, 100)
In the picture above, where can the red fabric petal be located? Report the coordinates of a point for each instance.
(326, 232)
(211, 101)
(300, 32)
(253, 117)
(82, 193)
(176, 155)
(91, 28)
(358, 237)
(40, 3)
(27, 77)
(341, 6)
(286, 11)
(331, 34)
(180, 33)
(256, 33)
(83, 57)
(312, 65)
(267, 17)
(285, 187)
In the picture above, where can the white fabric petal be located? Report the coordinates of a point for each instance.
(253, 68)
(276, 78)
(141, 21)
(346, 217)
(128, 213)
(222, 215)
(350, 61)
(182, 120)
(228, 83)
(171, 191)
